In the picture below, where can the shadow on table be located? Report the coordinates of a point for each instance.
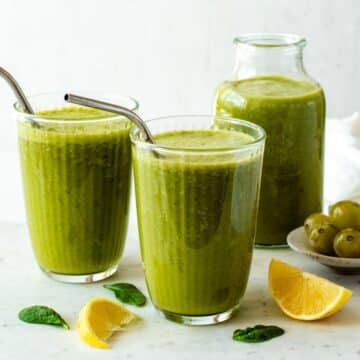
(130, 270)
(257, 306)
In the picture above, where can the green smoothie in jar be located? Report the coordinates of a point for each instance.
(76, 175)
(292, 112)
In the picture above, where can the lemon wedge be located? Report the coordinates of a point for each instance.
(304, 296)
(99, 318)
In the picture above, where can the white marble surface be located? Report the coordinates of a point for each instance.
(22, 284)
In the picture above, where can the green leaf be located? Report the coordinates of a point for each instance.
(127, 293)
(258, 333)
(39, 314)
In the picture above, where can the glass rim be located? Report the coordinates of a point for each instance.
(270, 40)
(45, 119)
(135, 132)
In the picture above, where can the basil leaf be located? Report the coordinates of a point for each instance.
(39, 314)
(127, 293)
(258, 333)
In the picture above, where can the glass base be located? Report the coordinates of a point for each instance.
(199, 320)
(81, 279)
(271, 246)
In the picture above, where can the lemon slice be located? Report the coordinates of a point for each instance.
(99, 318)
(304, 296)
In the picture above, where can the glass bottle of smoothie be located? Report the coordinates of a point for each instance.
(76, 169)
(271, 88)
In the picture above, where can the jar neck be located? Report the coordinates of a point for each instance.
(262, 57)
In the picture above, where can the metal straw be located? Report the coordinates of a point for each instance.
(117, 109)
(17, 90)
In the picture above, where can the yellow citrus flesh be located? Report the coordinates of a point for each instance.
(304, 296)
(99, 318)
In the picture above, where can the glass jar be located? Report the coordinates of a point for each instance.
(271, 88)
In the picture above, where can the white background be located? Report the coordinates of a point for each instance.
(169, 54)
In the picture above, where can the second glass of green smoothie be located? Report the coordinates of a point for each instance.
(197, 191)
(76, 168)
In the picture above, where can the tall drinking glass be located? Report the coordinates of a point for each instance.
(76, 166)
(197, 192)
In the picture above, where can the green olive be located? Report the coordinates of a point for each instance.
(322, 237)
(315, 219)
(345, 214)
(347, 243)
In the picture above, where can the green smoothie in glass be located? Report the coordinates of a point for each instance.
(292, 112)
(197, 198)
(76, 166)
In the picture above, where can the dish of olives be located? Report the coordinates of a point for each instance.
(334, 239)
(338, 233)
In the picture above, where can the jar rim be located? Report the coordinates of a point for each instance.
(270, 40)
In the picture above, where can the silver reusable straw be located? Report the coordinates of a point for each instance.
(17, 90)
(117, 109)
(19, 94)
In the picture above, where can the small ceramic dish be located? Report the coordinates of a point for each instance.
(298, 241)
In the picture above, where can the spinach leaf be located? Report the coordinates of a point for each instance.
(39, 314)
(127, 293)
(258, 333)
